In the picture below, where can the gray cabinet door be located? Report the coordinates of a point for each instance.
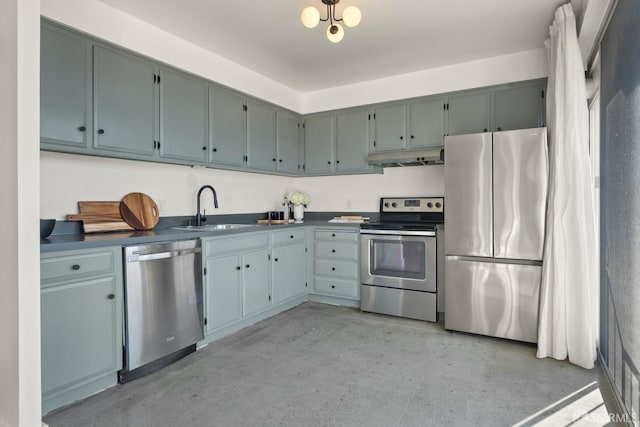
(223, 290)
(287, 142)
(426, 123)
(352, 141)
(124, 103)
(319, 134)
(261, 136)
(255, 282)
(469, 113)
(79, 334)
(390, 127)
(226, 127)
(64, 88)
(519, 107)
(183, 117)
(288, 272)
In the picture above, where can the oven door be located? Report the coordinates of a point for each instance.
(398, 259)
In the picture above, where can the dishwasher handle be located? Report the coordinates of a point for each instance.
(138, 257)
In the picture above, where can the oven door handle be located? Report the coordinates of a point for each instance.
(399, 232)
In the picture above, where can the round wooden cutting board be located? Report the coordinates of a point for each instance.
(139, 211)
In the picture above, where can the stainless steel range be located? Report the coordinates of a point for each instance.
(401, 259)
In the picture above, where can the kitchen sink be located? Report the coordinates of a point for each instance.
(211, 227)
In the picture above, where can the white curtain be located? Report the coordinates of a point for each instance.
(569, 291)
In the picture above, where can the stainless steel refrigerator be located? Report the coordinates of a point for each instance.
(496, 194)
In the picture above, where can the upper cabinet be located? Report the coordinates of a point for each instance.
(65, 88)
(261, 136)
(183, 117)
(520, 107)
(124, 103)
(390, 127)
(226, 127)
(469, 113)
(287, 142)
(102, 100)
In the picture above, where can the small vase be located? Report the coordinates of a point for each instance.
(298, 213)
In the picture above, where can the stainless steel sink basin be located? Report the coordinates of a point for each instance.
(211, 227)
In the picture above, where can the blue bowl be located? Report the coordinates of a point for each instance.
(46, 227)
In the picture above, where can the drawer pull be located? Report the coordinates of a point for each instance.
(111, 296)
(333, 269)
(333, 234)
(238, 268)
(75, 267)
(333, 286)
(248, 265)
(291, 236)
(333, 251)
(275, 259)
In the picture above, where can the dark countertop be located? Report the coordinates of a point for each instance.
(63, 242)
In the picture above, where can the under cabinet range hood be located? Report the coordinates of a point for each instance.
(425, 156)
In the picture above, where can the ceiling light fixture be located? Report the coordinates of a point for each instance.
(351, 16)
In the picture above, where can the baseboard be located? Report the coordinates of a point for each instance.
(611, 396)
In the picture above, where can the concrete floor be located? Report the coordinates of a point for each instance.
(322, 365)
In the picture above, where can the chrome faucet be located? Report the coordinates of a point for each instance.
(201, 218)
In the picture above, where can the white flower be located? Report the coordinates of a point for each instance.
(298, 198)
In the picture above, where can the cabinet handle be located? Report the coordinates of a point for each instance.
(100, 131)
(499, 128)
(291, 236)
(333, 251)
(402, 137)
(111, 296)
(214, 149)
(238, 268)
(333, 269)
(412, 137)
(337, 161)
(75, 267)
(204, 148)
(485, 129)
(333, 286)
(275, 259)
(333, 234)
(328, 163)
(280, 160)
(274, 160)
(248, 265)
(82, 128)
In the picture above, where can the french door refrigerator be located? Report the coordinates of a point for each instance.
(496, 194)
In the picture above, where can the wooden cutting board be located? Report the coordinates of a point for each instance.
(139, 211)
(99, 217)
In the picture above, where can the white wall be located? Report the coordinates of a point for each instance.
(19, 198)
(67, 179)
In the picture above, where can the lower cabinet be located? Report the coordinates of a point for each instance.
(288, 267)
(81, 323)
(236, 279)
(336, 263)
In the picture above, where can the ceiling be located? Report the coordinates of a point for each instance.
(394, 37)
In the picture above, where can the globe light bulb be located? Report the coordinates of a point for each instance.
(351, 16)
(335, 33)
(310, 17)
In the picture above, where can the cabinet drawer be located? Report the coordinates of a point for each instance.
(347, 236)
(235, 243)
(339, 287)
(287, 236)
(346, 270)
(77, 265)
(339, 250)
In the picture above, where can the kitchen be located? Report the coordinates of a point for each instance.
(174, 186)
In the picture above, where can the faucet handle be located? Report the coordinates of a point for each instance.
(203, 218)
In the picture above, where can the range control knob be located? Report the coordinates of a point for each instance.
(394, 204)
(438, 205)
(386, 204)
(429, 205)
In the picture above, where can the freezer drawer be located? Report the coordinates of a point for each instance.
(490, 298)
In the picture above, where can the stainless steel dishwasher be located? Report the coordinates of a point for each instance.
(163, 305)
